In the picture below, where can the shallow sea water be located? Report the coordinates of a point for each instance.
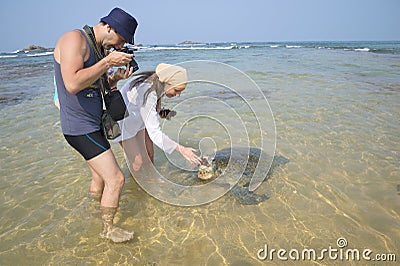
(337, 121)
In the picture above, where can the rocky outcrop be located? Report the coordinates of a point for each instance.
(36, 48)
(189, 42)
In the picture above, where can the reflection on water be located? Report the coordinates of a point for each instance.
(340, 133)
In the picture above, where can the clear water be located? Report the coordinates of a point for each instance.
(336, 108)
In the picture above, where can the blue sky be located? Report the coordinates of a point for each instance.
(26, 22)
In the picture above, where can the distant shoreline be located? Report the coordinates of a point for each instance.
(385, 47)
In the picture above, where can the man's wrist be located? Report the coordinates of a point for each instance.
(107, 63)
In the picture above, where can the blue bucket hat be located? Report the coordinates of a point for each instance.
(123, 23)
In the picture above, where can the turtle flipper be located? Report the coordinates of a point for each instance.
(247, 197)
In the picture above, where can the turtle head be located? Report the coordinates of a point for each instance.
(206, 169)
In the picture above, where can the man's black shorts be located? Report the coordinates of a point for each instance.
(89, 145)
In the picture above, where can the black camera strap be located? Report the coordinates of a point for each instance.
(112, 100)
(104, 86)
(90, 34)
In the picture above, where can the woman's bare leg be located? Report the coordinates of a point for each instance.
(136, 152)
(149, 146)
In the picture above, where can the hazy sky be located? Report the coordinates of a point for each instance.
(25, 22)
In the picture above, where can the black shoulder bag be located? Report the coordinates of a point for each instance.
(113, 101)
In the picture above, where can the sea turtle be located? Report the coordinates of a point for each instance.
(233, 163)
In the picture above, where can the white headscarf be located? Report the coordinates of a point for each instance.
(171, 74)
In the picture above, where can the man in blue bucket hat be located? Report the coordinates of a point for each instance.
(79, 64)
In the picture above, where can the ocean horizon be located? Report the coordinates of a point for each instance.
(341, 44)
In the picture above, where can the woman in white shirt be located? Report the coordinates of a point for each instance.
(141, 128)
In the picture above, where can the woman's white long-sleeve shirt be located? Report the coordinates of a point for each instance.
(143, 116)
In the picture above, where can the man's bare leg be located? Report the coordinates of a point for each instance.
(96, 186)
(105, 166)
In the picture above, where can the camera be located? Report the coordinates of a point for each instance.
(133, 62)
(166, 113)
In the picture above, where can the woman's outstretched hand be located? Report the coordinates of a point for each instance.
(121, 73)
(189, 154)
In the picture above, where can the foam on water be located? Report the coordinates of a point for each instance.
(41, 54)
